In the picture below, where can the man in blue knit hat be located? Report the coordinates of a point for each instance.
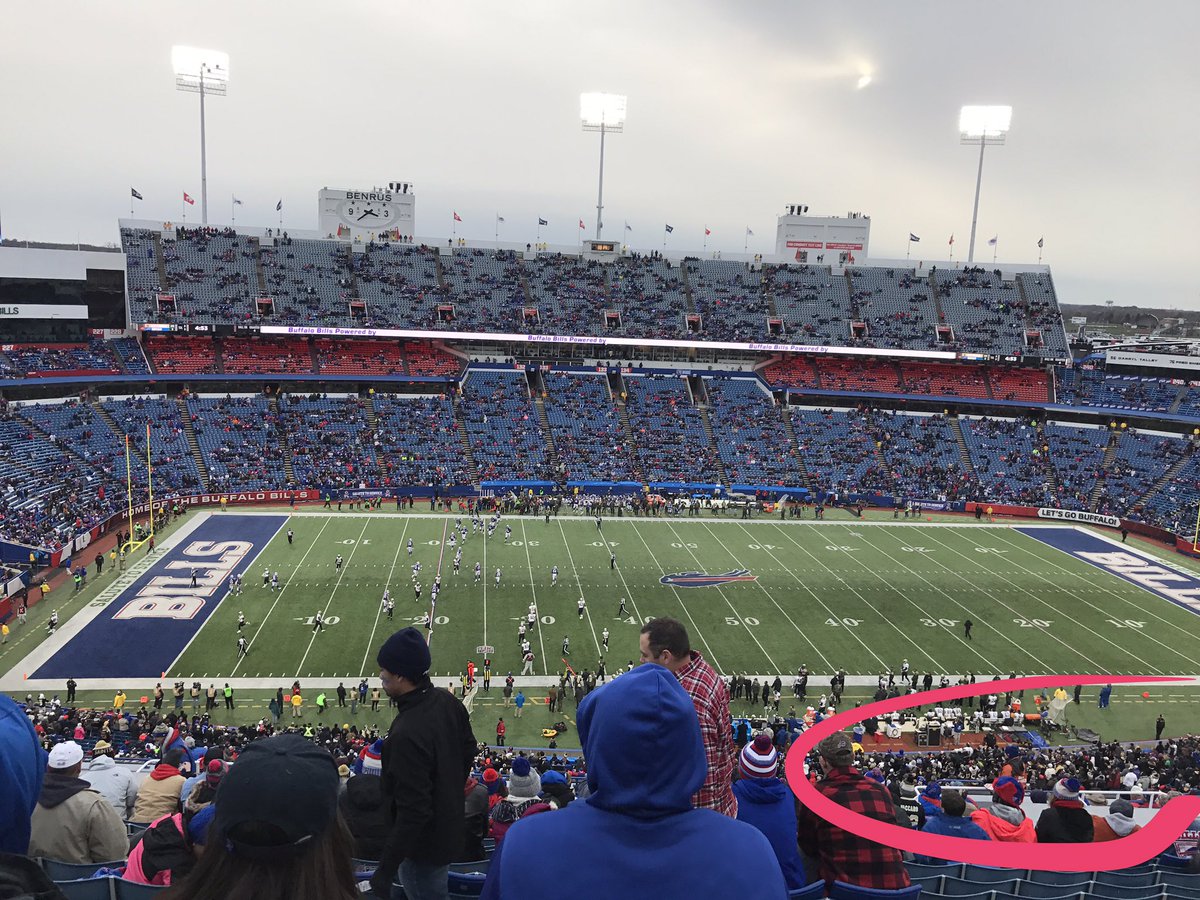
(427, 756)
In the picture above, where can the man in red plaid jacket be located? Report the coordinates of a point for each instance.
(842, 855)
(665, 641)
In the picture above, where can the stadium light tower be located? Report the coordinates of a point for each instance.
(982, 125)
(604, 113)
(201, 72)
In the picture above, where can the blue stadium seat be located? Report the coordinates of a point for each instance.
(984, 895)
(65, 871)
(930, 884)
(1058, 879)
(1171, 861)
(1051, 891)
(131, 890)
(1122, 880)
(463, 885)
(812, 891)
(1178, 879)
(1111, 892)
(87, 888)
(989, 875)
(1183, 893)
(843, 891)
(920, 870)
(965, 887)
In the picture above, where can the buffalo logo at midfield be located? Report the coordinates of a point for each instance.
(699, 579)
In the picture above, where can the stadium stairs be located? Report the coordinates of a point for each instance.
(256, 245)
(937, 300)
(1167, 477)
(316, 359)
(1110, 456)
(805, 477)
(371, 415)
(460, 425)
(108, 419)
(964, 454)
(616, 385)
(687, 289)
(190, 432)
(855, 311)
(699, 395)
(156, 237)
(218, 356)
(284, 444)
(1051, 471)
(1173, 409)
(537, 388)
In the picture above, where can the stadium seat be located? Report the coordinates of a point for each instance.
(131, 890)
(1123, 880)
(1042, 891)
(1109, 892)
(988, 874)
(1182, 893)
(808, 892)
(920, 870)
(1178, 878)
(463, 885)
(478, 867)
(965, 887)
(87, 888)
(364, 865)
(843, 891)
(65, 871)
(930, 884)
(1171, 861)
(1055, 879)
(983, 895)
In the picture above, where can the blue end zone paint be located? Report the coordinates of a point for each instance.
(1160, 579)
(125, 642)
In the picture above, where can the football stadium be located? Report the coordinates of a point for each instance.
(306, 521)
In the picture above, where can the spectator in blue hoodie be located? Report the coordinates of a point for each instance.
(931, 800)
(769, 805)
(637, 827)
(22, 769)
(951, 822)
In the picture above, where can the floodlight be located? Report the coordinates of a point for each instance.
(193, 65)
(603, 113)
(982, 125)
(863, 80)
(984, 121)
(201, 72)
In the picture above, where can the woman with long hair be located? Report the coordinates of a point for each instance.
(276, 834)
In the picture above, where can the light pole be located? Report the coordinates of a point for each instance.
(604, 113)
(201, 72)
(982, 125)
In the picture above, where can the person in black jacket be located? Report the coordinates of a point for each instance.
(363, 807)
(1066, 821)
(426, 759)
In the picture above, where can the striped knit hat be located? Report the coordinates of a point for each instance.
(759, 758)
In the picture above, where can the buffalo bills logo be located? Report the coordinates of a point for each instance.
(699, 579)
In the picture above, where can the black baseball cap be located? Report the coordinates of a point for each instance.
(278, 796)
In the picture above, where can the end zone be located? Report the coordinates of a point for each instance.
(141, 631)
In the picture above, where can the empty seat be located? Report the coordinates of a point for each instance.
(65, 871)
(920, 870)
(86, 888)
(1127, 880)
(843, 891)
(131, 890)
(989, 875)
(965, 887)
(808, 892)
(1037, 876)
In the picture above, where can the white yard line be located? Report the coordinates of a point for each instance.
(982, 588)
(282, 589)
(953, 633)
(432, 608)
(379, 611)
(341, 574)
(712, 659)
(1066, 590)
(579, 584)
(1142, 610)
(732, 608)
(533, 588)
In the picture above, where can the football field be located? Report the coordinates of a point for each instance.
(758, 597)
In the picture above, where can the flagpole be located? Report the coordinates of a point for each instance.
(908, 250)
(131, 204)
(705, 246)
(232, 210)
(746, 241)
(497, 228)
(995, 250)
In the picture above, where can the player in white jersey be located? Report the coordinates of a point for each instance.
(390, 607)
(507, 533)
(554, 576)
(452, 541)
(266, 577)
(521, 632)
(497, 576)
(337, 563)
(604, 639)
(387, 595)
(478, 570)
(318, 622)
(417, 590)
(457, 559)
(410, 546)
(243, 646)
(416, 570)
(241, 620)
(581, 605)
(275, 582)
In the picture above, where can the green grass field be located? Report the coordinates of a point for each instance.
(858, 596)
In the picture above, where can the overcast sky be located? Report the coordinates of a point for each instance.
(735, 109)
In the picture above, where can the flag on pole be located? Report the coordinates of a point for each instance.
(912, 237)
(1041, 242)
(136, 195)
(279, 205)
(628, 227)
(706, 231)
(995, 240)
(499, 218)
(581, 225)
(237, 202)
(457, 217)
(542, 222)
(951, 240)
(749, 233)
(187, 199)
(670, 228)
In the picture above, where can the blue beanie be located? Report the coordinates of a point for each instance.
(933, 790)
(405, 653)
(553, 777)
